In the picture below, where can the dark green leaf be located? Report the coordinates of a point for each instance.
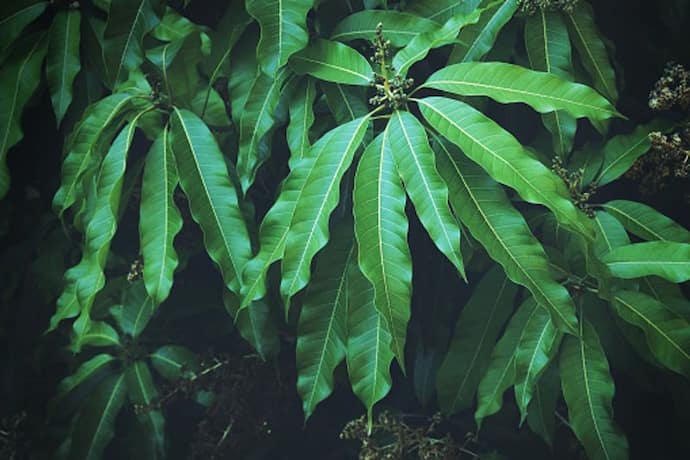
(143, 393)
(441, 10)
(541, 415)
(14, 17)
(398, 27)
(62, 63)
(302, 118)
(174, 362)
(334, 62)
(662, 258)
(646, 222)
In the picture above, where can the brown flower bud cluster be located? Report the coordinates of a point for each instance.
(530, 7)
(390, 86)
(573, 180)
(136, 270)
(672, 89)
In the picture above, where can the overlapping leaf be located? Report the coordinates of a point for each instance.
(441, 10)
(398, 27)
(301, 117)
(646, 222)
(666, 259)
(142, 392)
(174, 362)
(63, 60)
(14, 17)
(334, 62)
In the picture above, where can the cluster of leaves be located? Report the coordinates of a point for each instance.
(262, 126)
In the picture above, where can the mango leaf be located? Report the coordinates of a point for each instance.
(159, 219)
(135, 310)
(257, 324)
(369, 355)
(416, 165)
(62, 62)
(381, 231)
(541, 415)
(441, 10)
(86, 372)
(346, 102)
(334, 62)
(476, 41)
(302, 118)
(419, 46)
(242, 73)
(509, 83)
(667, 334)
(19, 77)
(321, 192)
(610, 233)
(142, 392)
(486, 211)
(588, 389)
(283, 30)
(646, 222)
(478, 326)
(398, 27)
(537, 347)
(93, 334)
(95, 425)
(590, 47)
(322, 326)
(669, 294)
(14, 17)
(173, 26)
(500, 373)
(213, 200)
(502, 156)
(666, 259)
(174, 362)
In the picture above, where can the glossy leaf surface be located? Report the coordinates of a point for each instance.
(398, 27)
(646, 222)
(666, 259)
(62, 62)
(334, 62)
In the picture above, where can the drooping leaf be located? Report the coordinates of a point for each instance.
(500, 374)
(669, 294)
(502, 156)
(87, 332)
(416, 165)
(242, 73)
(334, 62)
(88, 370)
(666, 259)
(441, 10)
(257, 324)
(302, 117)
(159, 219)
(173, 26)
(135, 310)
(309, 227)
(588, 390)
(398, 27)
(508, 83)
(322, 326)
(381, 231)
(283, 30)
(62, 62)
(213, 200)
(541, 415)
(478, 327)
(142, 392)
(19, 78)
(173, 362)
(346, 102)
(14, 17)
(646, 222)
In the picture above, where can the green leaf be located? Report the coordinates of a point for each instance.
(159, 219)
(87, 371)
(537, 347)
(419, 46)
(398, 27)
(610, 233)
(441, 10)
(509, 83)
(309, 227)
(590, 47)
(416, 165)
(476, 41)
(257, 324)
(283, 30)
(666, 259)
(62, 63)
(346, 102)
(646, 222)
(668, 334)
(142, 392)
(95, 425)
(502, 156)
(213, 200)
(14, 17)
(500, 374)
(135, 311)
(174, 362)
(302, 117)
(486, 211)
(369, 354)
(93, 334)
(173, 26)
(588, 389)
(322, 326)
(242, 73)
(478, 327)
(334, 62)
(19, 77)
(381, 231)
(541, 415)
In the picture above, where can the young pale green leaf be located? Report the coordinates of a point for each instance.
(509, 83)
(142, 392)
(666, 259)
(95, 425)
(502, 156)
(309, 227)
(283, 30)
(591, 49)
(302, 118)
(62, 62)
(334, 62)
(369, 354)
(646, 222)
(483, 207)
(87, 371)
(398, 27)
(135, 310)
(478, 327)
(588, 390)
(174, 362)
(322, 326)
(159, 219)
(345, 102)
(537, 347)
(213, 200)
(416, 165)
(668, 335)
(381, 231)
(14, 17)
(541, 415)
(500, 373)
(419, 46)
(19, 77)
(475, 41)
(441, 10)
